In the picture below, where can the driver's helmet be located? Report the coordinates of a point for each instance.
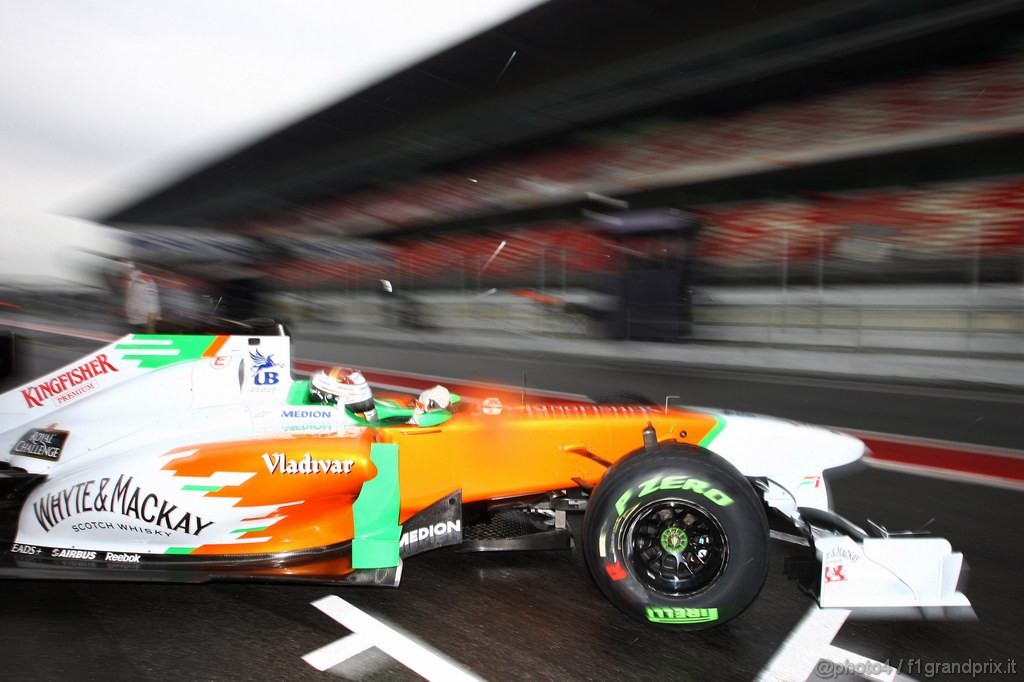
(346, 387)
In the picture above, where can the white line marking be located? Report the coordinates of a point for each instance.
(946, 474)
(327, 657)
(799, 654)
(417, 657)
(810, 643)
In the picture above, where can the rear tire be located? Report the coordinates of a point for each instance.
(676, 536)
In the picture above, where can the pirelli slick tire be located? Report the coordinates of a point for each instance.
(676, 536)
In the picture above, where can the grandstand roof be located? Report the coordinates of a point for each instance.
(560, 66)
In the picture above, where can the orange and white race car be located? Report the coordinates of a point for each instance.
(193, 458)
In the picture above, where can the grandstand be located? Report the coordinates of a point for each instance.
(819, 142)
(971, 102)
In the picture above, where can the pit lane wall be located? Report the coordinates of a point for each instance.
(974, 321)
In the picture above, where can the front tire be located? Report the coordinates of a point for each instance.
(676, 536)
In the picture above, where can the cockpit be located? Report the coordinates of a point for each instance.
(346, 388)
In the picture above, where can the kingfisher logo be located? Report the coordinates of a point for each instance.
(68, 385)
(262, 374)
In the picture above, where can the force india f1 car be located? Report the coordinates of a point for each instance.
(194, 458)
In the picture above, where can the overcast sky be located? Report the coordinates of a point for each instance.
(103, 100)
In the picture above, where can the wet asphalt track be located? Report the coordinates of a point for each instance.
(539, 616)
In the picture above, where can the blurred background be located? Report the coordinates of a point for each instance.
(826, 174)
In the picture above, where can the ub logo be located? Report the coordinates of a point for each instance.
(262, 374)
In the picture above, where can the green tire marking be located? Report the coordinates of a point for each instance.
(186, 347)
(620, 506)
(713, 433)
(180, 550)
(668, 614)
(375, 513)
(203, 488)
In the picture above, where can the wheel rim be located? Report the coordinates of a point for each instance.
(675, 547)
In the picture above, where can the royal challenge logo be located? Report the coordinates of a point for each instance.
(45, 444)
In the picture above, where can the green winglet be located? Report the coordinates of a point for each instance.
(375, 513)
(172, 349)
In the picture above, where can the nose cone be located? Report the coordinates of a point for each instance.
(765, 446)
